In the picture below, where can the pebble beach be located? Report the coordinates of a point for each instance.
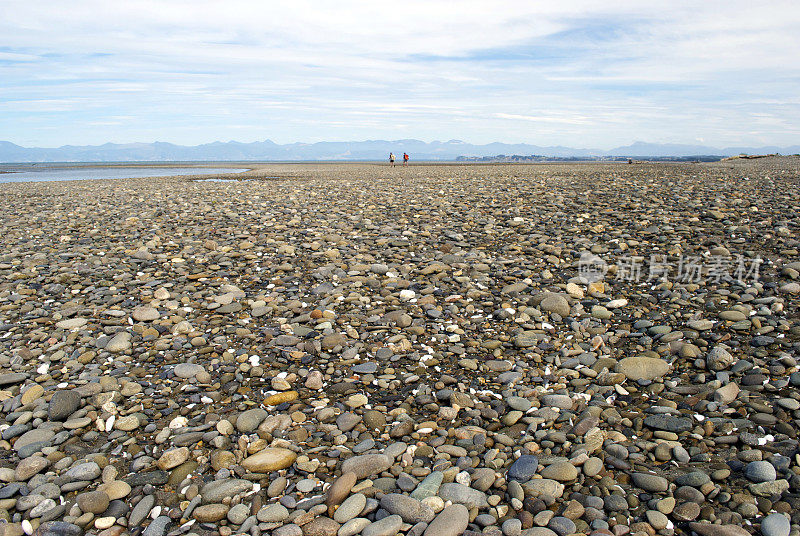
(599, 349)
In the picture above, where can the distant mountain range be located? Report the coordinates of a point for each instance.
(345, 150)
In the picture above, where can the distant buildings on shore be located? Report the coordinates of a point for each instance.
(542, 158)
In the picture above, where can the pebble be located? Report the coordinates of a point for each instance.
(340, 489)
(760, 471)
(63, 404)
(59, 528)
(592, 466)
(269, 459)
(555, 303)
(255, 358)
(83, 471)
(173, 458)
(352, 507)
(775, 525)
(353, 527)
(429, 487)
(562, 526)
(651, 483)
(218, 490)
(95, 502)
(523, 468)
(321, 526)
(366, 465)
(273, 513)
(642, 368)
(694, 479)
(29, 467)
(388, 526)
(562, 471)
(157, 527)
(461, 494)
(668, 423)
(188, 370)
(411, 510)
(210, 513)
(657, 520)
(141, 510)
(719, 358)
(72, 323)
(119, 343)
(452, 521)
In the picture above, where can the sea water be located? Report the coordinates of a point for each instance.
(31, 173)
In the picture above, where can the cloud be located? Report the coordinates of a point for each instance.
(544, 119)
(16, 57)
(594, 74)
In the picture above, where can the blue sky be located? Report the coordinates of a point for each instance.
(579, 74)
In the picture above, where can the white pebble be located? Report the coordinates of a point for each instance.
(178, 422)
(407, 294)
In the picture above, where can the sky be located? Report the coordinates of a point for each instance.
(583, 74)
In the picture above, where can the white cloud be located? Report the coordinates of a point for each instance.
(13, 57)
(545, 119)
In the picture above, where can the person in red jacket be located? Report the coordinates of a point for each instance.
(405, 159)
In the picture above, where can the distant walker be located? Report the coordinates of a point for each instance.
(391, 159)
(405, 159)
